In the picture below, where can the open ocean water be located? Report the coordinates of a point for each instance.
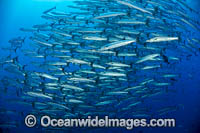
(124, 59)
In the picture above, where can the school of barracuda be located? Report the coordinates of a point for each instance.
(104, 59)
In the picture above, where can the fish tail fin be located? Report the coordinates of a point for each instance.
(147, 21)
(59, 79)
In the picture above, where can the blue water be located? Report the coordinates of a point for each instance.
(15, 14)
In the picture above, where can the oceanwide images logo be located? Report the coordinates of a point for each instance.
(129, 124)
